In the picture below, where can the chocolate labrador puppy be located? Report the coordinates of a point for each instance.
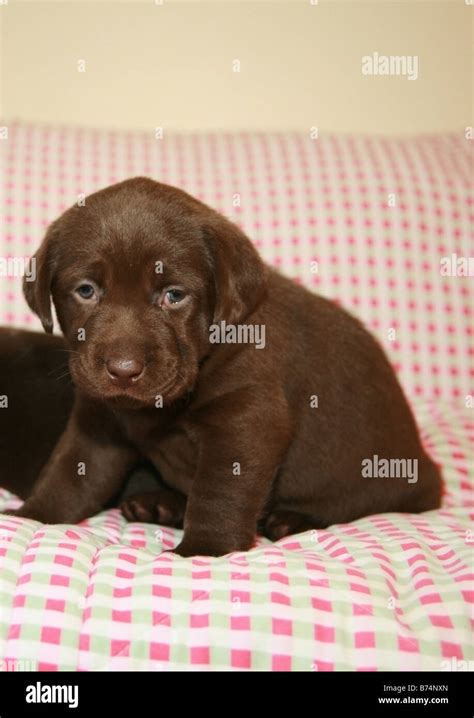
(36, 398)
(263, 406)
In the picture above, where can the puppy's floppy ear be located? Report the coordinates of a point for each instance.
(239, 273)
(38, 291)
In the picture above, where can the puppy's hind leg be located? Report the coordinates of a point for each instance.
(163, 506)
(280, 523)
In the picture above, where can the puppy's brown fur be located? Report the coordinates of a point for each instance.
(233, 430)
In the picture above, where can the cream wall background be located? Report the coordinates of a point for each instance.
(171, 65)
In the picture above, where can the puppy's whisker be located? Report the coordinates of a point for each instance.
(63, 376)
(64, 368)
(70, 351)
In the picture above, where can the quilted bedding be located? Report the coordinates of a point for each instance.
(368, 223)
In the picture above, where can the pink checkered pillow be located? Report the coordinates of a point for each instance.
(365, 221)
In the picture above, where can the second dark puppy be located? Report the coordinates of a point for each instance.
(261, 404)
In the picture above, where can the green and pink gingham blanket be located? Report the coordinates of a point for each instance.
(366, 222)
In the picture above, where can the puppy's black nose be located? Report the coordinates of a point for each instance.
(124, 371)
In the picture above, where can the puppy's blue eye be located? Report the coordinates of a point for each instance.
(173, 296)
(86, 291)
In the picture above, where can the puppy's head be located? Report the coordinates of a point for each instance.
(137, 275)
